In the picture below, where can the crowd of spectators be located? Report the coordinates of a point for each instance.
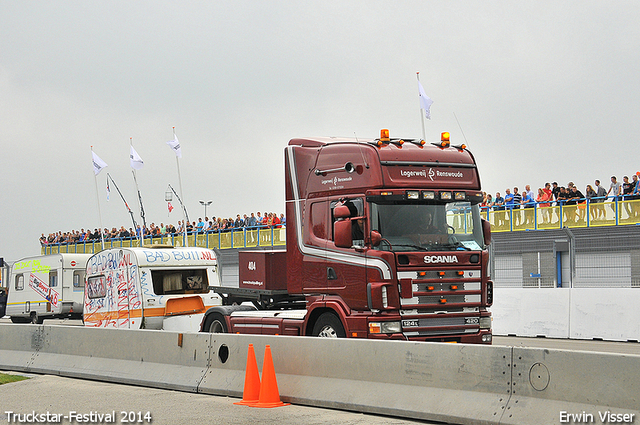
(550, 195)
(219, 224)
(554, 195)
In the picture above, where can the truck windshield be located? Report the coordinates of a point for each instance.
(427, 227)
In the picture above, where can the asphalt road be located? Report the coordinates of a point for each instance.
(57, 395)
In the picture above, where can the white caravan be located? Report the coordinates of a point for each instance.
(46, 287)
(151, 288)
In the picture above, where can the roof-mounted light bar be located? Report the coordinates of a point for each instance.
(385, 139)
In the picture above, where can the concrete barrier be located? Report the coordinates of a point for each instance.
(531, 312)
(546, 383)
(151, 358)
(18, 345)
(465, 384)
(578, 313)
(443, 382)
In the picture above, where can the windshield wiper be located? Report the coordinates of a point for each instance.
(458, 245)
(418, 247)
(435, 247)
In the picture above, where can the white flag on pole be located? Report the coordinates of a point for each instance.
(175, 145)
(425, 101)
(136, 161)
(98, 164)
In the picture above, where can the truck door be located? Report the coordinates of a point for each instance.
(346, 271)
(55, 295)
(314, 270)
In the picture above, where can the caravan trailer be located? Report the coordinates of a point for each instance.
(46, 287)
(150, 287)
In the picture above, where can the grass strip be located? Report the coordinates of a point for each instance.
(5, 379)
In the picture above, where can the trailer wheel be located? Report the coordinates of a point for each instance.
(35, 319)
(215, 324)
(329, 326)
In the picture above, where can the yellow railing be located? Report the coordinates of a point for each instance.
(213, 240)
(610, 213)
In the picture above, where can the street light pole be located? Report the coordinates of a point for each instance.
(206, 204)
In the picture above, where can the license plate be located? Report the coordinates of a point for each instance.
(410, 323)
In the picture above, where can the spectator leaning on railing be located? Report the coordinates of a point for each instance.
(269, 220)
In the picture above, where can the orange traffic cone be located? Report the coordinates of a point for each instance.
(251, 392)
(269, 395)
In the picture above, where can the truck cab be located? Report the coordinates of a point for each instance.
(384, 241)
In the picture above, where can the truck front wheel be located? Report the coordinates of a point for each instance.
(329, 326)
(215, 324)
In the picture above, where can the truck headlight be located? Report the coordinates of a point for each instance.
(485, 322)
(384, 327)
(413, 194)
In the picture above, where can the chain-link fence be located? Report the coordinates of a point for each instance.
(578, 258)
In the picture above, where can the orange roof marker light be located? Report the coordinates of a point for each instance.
(384, 137)
(444, 140)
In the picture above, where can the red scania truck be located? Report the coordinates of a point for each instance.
(384, 241)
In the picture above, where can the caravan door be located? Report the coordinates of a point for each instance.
(111, 297)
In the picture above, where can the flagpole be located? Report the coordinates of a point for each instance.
(184, 211)
(424, 137)
(123, 200)
(95, 179)
(144, 221)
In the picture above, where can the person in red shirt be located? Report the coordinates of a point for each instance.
(276, 221)
(545, 195)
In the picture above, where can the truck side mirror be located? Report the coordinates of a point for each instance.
(342, 232)
(376, 238)
(486, 230)
(341, 211)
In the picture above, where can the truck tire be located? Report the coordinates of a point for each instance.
(328, 325)
(215, 324)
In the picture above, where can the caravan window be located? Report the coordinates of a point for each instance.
(96, 287)
(19, 282)
(78, 279)
(166, 282)
(53, 279)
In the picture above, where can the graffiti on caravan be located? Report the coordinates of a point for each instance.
(160, 256)
(35, 265)
(108, 260)
(42, 289)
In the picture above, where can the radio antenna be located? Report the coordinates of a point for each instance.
(459, 126)
(359, 146)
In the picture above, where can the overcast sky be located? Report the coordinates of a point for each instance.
(543, 91)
